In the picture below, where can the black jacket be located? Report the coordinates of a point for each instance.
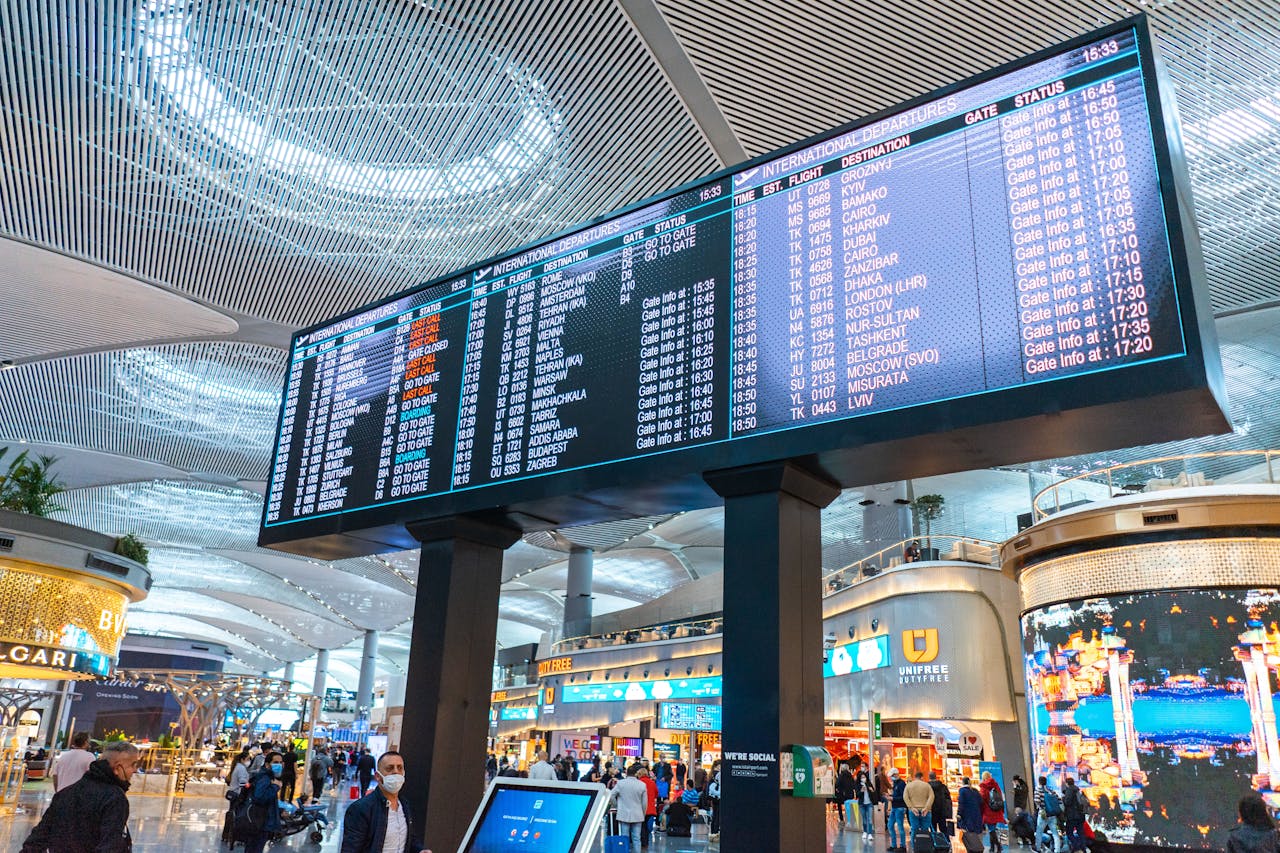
(366, 765)
(942, 807)
(1074, 805)
(364, 827)
(90, 816)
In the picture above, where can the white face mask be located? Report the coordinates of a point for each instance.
(392, 783)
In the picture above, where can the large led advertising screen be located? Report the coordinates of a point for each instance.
(1162, 705)
(1018, 229)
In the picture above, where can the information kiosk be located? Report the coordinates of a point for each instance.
(537, 816)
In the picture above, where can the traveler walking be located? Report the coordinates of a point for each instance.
(319, 771)
(289, 779)
(969, 816)
(339, 767)
(365, 767)
(713, 795)
(992, 810)
(540, 769)
(264, 795)
(1074, 808)
(92, 815)
(70, 766)
(1256, 832)
(867, 799)
(1048, 811)
(1019, 793)
(650, 805)
(898, 814)
(630, 795)
(941, 812)
(847, 798)
(490, 768)
(681, 772)
(379, 822)
(884, 788)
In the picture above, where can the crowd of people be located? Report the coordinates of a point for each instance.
(918, 807)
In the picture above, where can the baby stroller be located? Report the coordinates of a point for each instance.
(303, 818)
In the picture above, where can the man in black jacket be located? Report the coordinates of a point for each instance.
(92, 815)
(942, 808)
(364, 771)
(373, 818)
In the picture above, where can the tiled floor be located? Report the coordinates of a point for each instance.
(194, 825)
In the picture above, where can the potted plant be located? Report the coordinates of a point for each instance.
(928, 509)
(131, 548)
(28, 485)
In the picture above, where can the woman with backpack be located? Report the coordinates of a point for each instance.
(992, 810)
(257, 815)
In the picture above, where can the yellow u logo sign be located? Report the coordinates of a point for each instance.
(920, 645)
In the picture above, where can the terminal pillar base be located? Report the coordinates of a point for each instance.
(446, 708)
(773, 695)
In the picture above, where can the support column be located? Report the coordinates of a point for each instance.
(368, 670)
(887, 520)
(289, 671)
(455, 628)
(773, 692)
(577, 597)
(317, 696)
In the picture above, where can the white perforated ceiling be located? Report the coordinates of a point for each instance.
(182, 183)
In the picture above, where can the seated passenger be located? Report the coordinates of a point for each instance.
(679, 820)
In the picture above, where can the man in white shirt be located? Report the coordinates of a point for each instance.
(540, 769)
(379, 822)
(70, 765)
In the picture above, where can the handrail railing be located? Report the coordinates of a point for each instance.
(966, 549)
(1150, 475)
(651, 634)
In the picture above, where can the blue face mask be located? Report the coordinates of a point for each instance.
(277, 769)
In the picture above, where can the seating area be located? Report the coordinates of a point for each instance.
(652, 634)
(972, 551)
(1182, 481)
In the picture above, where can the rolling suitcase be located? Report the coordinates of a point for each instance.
(922, 841)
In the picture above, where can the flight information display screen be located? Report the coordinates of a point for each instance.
(1003, 233)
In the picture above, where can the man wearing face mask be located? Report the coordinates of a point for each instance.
(380, 822)
(264, 792)
(90, 816)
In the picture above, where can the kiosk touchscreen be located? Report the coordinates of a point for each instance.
(537, 816)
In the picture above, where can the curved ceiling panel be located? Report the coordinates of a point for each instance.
(253, 629)
(207, 408)
(162, 624)
(168, 512)
(243, 153)
(55, 304)
(850, 59)
(365, 602)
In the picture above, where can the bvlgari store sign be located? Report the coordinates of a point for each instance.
(54, 625)
(46, 657)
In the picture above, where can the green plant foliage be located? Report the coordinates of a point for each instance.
(928, 508)
(130, 547)
(28, 485)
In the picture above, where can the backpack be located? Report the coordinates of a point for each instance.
(247, 817)
(995, 799)
(1052, 803)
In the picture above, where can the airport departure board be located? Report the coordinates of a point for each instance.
(1002, 233)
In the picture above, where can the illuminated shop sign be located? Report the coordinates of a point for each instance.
(47, 657)
(529, 713)
(864, 655)
(639, 691)
(57, 623)
(554, 665)
(920, 648)
(674, 715)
